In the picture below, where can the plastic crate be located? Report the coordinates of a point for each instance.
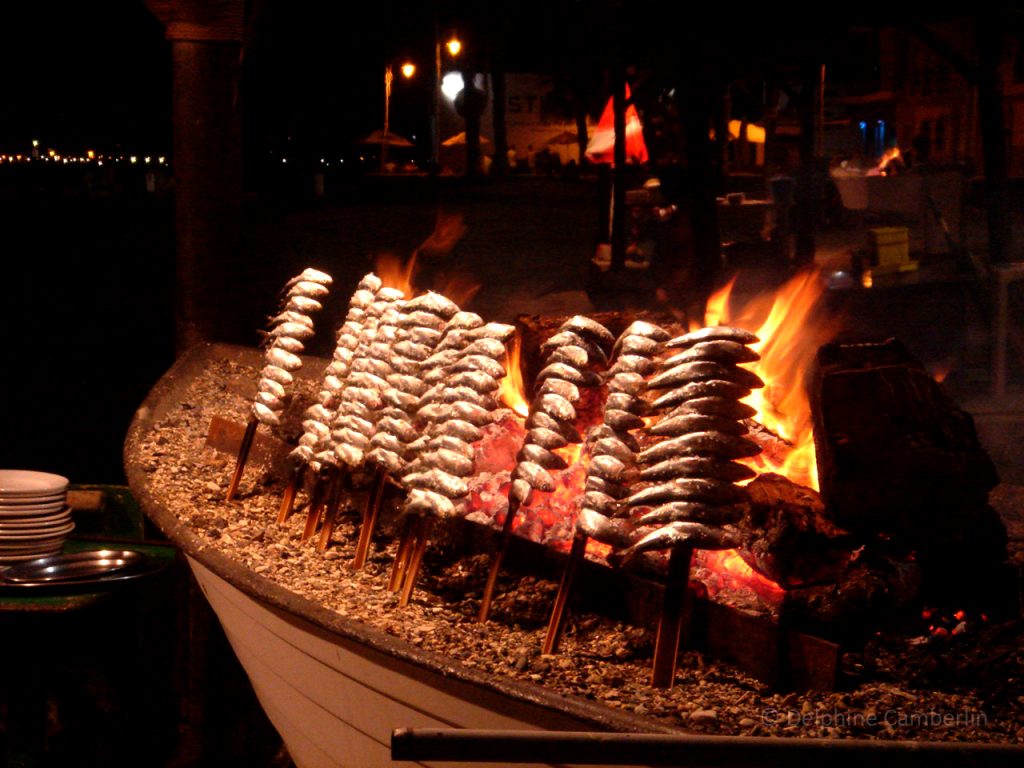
(890, 248)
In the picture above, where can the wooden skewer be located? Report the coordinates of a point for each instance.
(557, 622)
(412, 571)
(331, 508)
(402, 556)
(674, 608)
(316, 505)
(243, 457)
(290, 490)
(499, 556)
(370, 514)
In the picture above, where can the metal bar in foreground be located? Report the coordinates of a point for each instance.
(598, 748)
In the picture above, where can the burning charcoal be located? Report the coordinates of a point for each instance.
(284, 340)
(713, 333)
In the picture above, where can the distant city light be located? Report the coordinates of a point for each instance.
(408, 69)
(146, 160)
(90, 154)
(35, 142)
(133, 159)
(454, 46)
(452, 85)
(161, 159)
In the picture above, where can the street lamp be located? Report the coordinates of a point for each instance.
(454, 46)
(408, 70)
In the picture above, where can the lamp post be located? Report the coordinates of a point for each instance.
(453, 45)
(408, 70)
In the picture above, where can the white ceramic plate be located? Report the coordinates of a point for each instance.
(32, 501)
(32, 521)
(28, 482)
(24, 510)
(7, 538)
(8, 559)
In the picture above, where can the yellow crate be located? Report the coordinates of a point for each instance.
(890, 247)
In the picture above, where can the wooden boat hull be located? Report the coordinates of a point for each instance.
(334, 688)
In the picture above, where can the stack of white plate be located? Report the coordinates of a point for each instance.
(34, 515)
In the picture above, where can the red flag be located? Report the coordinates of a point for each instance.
(601, 148)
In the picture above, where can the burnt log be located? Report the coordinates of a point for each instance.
(788, 535)
(899, 462)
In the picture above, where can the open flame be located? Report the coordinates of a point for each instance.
(888, 157)
(513, 390)
(790, 335)
(395, 272)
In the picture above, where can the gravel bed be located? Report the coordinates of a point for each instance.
(963, 685)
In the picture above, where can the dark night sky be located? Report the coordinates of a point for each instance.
(94, 75)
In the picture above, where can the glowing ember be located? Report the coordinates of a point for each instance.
(733, 574)
(513, 391)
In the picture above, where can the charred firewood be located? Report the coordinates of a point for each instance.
(284, 341)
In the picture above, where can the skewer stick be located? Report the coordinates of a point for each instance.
(331, 508)
(316, 505)
(412, 571)
(370, 514)
(290, 490)
(402, 556)
(243, 457)
(499, 556)
(557, 622)
(674, 608)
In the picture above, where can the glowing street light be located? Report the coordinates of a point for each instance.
(454, 47)
(408, 70)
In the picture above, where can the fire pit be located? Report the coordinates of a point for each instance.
(324, 643)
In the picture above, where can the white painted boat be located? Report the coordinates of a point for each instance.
(334, 688)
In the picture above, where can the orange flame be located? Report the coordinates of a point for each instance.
(717, 310)
(790, 336)
(513, 390)
(732, 572)
(887, 158)
(395, 273)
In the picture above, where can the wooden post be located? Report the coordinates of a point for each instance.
(206, 47)
(674, 608)
(405, 543)
(331, 507)
(316, 505)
